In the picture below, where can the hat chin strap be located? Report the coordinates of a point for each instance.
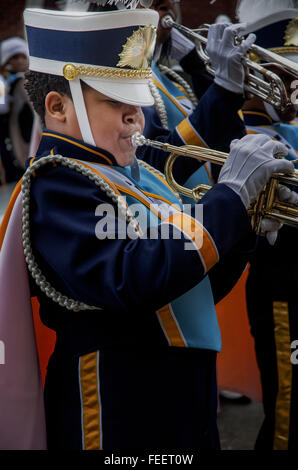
(84, 125)
(81, 112)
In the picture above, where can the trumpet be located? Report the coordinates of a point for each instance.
(266, 204)
(269, 88)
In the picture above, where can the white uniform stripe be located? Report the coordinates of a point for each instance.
(81, 402)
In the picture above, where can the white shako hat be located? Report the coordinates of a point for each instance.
(10, 47)
(275, 23)
(110, 51)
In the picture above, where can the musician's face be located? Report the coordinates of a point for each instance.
(112, 124)
(17, 63)
(164, 7)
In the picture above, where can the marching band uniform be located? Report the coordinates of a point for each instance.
(272, 312)
(272, 306)
(117, 372)
(122, 335)
(257, 122)
(126, 371)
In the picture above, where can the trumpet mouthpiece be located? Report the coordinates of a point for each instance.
(167, 21)
(137, 139)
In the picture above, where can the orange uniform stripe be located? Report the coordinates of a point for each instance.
(208, 251)
(79, 145)
(258, 113)
(248, 131)
(91, 405)
(170, 326)
(199, 236)
(189, 135)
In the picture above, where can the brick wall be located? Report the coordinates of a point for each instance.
(196, 12)
(11, 18)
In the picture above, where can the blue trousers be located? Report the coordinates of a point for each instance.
(163, 398)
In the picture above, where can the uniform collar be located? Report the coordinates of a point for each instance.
(55, 143)
(256, 118)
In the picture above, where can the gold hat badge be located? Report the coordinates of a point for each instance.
(290, 41)
(291, 33)
(138, 50)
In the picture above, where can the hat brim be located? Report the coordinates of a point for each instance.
(130, 91)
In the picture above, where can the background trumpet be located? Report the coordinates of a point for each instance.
(266, 204)
(269, 88)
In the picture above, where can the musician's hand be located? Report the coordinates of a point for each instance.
(250, 165)
(225, 55)
(271, 227)
(284, 194)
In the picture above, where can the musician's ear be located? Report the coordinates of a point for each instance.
(56, 106)
(60, 115)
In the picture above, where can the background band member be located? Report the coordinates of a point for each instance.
(272, 307)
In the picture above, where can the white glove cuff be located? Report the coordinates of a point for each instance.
(181, 45)
(229, 85)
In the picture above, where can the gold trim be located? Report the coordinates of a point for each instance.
(258, 113)
(71, 72)
(284, 371)
(285, 50)
(170, 327)
(90, 401)
(200, 237)
(188, 134)
(49, 134)
(278, 50)
(291, 33)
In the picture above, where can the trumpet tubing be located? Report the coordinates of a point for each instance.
(267, 203)
(270, 89)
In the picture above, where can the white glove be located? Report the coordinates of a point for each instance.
(271, 227)
(180, 45)
(225, 56)
(286, 195)
(250, 164)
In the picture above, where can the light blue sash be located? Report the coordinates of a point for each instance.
(194, 312)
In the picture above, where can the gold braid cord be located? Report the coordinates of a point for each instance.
(71, 72)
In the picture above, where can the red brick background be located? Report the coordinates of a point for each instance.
(196, 12)
(11, 18)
